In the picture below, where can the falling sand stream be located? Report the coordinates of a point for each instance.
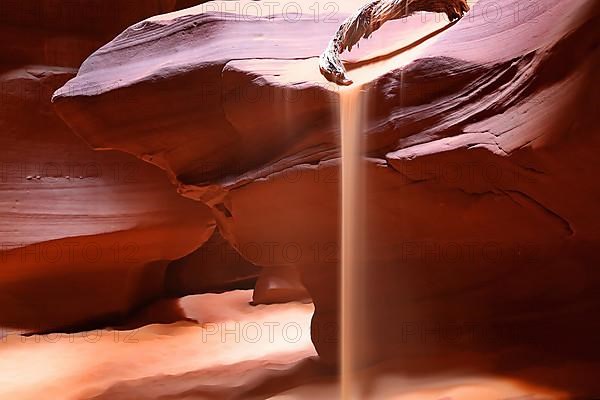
(353, 102)
(352, 111)
(416, 37)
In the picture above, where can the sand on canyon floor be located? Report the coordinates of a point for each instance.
(227, 349)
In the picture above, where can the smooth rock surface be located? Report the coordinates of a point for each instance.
(482, 149)
(279, 285)
(85, 235)
(214, 267)
(194, 360)
(66, 32)
(235, 349)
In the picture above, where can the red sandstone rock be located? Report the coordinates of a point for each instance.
(218, 358)
(214, 267)
(218, 267)
(480, 151)
(279, 285)
(208, 360)
(65, 32)
(75, 246)
(85, 235)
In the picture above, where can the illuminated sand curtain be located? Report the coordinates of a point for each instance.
(352, 110)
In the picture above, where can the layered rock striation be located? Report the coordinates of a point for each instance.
(481, 142)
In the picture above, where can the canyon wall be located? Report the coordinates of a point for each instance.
(481, 153)
(85, 236)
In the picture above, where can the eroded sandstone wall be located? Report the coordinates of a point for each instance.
(482, 156)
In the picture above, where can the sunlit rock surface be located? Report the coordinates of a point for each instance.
(279, 285)
(482, 149)
(231, 350)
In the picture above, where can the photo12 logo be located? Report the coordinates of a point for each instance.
(276, 11)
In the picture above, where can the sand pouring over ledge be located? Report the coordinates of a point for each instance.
(486, 142)
(352, 110)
